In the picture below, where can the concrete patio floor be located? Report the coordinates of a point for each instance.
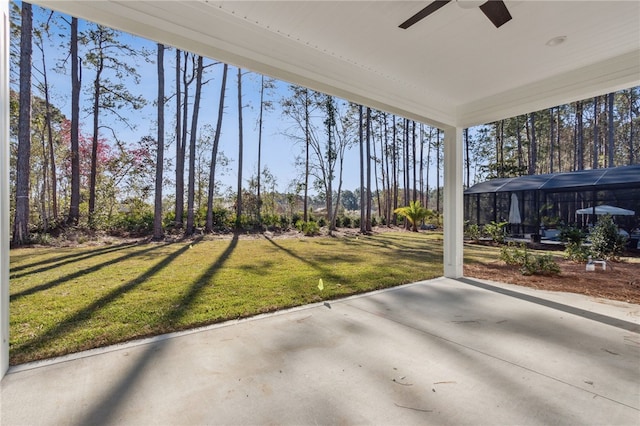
(436, 352)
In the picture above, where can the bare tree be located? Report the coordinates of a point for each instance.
(49, 182)
(214, 151)
(190, 228)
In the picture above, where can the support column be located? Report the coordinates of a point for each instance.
(4, 187)
(453, 203)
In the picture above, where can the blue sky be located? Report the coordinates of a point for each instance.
(278, 152)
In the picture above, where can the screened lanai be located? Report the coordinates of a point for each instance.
(551, 200)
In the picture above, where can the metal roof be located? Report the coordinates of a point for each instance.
(610, 178)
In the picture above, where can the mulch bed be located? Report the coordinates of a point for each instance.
(621, 280)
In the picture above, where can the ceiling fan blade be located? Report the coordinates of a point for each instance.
(432, 7)
(497, 12)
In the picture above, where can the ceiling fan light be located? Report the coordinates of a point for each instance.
(469, 4)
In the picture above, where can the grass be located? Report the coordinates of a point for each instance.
(64, 300)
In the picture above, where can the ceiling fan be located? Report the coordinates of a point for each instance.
(495, 10)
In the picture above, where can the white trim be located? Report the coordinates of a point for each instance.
(453, 203)
(609, 76)
(4, 186)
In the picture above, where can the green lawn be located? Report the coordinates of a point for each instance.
(66, 300)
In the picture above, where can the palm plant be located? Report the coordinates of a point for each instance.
(414, 213)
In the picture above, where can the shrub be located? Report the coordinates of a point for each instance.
(41, 238)
(295, 218)
(221, 217)
(243, 223)
(346, 222)
(529, 264)
(414, 213)
(606, 241)
(496, 231)
(574, 248)
(135, 223)
(309, 228)
(473, 231)
(513, 254)
(284, 222)
(271, 221)
(322, 222)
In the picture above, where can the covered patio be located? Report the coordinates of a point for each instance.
(452, 69)
(442, 352)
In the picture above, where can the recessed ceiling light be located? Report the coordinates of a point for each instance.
(556, 41)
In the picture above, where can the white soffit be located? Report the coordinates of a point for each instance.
(453, 68)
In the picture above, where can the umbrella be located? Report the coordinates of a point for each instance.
(604, 209)
(514, 210)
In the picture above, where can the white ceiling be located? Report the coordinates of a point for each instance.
(454, 68)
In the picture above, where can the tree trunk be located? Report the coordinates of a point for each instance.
(259, 198)
(407, 170)
(94, 140)
(413, 161)
(179, 143)
(330, 121)
(426, 203)
(240, 143)
(190, 228)
(551, 140)
(363, 215)
(631, 134)
(307, 138)
(519, 142)
(467, 162)
(596, 145)
(558, 139)
(368, 164)
(375, 173)
(21, 222)
(158, 232)
(611, 131)
(214, 151)
(533, 145)
(388, 193)
(579, 137)
(395, 168)
(50, 182)
(74, 203)
(438, 172)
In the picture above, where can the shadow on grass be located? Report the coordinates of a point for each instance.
(185, 302)
(69, 277)
(65, 260)
(324, 271)
(107, 409)
(76, 320)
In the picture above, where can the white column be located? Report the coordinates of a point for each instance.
(453, 199)
(4, 186)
